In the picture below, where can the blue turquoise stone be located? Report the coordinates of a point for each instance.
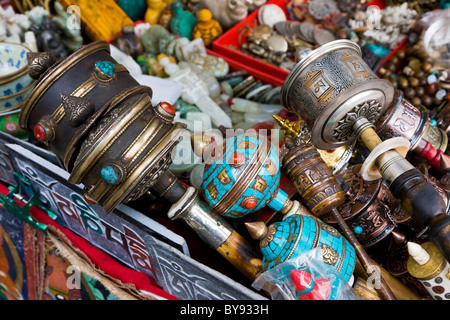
(106, 67)
(434, 122)
(109, 175)
(358, 230)
(256, 182)
(298, 234)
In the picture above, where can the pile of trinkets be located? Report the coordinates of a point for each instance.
(168, 50)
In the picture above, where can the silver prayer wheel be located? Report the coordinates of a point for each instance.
(330, 88)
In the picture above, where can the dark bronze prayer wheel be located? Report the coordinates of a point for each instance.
(317, 186)
(72, 94)
(403, 119)
(365, 214)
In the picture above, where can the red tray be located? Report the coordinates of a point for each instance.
(226, 43)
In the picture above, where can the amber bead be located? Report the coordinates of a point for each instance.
(403, 83)
(419, 74)
(410, 93)
(401, 54)
(427, 101)
(432, 88)
(426, 67)
(382, 71)
(415, 64)
(413, 82)
(416, 101)
(420, 91)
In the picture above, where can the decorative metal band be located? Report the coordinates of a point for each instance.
(92, 156)
(81, 92)
(143, 169)
(115, 101)
(369, 110)
(57, 73)
(299, 236)
(254, 166)
(136, 148)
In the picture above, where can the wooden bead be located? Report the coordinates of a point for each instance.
(420, 91)
(403, 83)
(410, 93)
(432, 88)
(413, 82)
(416, 101)
(426, 67)
(427, 101)
(401, 54)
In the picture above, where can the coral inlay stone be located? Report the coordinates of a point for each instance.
(250, 204)
(39, 132)
(168, 108)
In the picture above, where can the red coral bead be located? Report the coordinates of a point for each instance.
(168, 108)
(39, 132)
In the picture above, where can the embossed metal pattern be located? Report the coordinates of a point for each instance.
(327, 84)
(297, 234)
(229, 189)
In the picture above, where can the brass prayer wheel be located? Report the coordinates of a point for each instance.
(317, 186)
(72, 94)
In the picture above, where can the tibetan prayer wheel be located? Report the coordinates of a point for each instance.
(102, 125)
(317, 186)
(403, 119)
(340, 98)
(363, 209)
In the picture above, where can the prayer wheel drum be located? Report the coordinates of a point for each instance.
(101, 124)
(330, 88)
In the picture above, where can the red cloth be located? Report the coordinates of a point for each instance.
(99, 258)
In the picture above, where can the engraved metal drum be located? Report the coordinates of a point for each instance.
(331, 88)
(405, 120)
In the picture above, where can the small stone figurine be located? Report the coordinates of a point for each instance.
(183, 22)
(428, 265)
(154, 9)
(207, 28)
(195, 91)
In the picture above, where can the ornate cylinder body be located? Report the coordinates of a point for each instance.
(403, 119)
(313, 179)
(365, 214)
(101, 124)
(330, 88)
(91, 75)
(245, 178)
(297, 234)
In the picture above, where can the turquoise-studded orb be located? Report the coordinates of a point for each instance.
(297, 234)
(245, 179)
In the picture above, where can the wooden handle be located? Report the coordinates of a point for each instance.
(241, 255)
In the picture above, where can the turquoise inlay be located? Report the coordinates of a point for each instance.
(109, 175)
(301, 231)
(106, 67)
(358, 230)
